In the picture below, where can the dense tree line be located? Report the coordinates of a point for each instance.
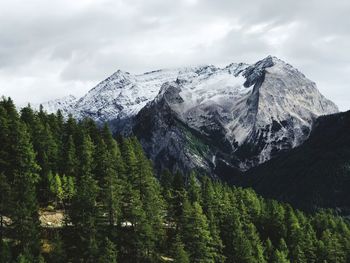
(116, 210)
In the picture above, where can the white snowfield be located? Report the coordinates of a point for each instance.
(124, 95)
(270, 102)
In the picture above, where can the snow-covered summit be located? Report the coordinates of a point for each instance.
(123, 94)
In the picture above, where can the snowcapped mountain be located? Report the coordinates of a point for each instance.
(198, 117)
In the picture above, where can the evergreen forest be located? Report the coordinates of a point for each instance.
(116, 208)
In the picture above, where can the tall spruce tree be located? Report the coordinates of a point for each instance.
(5, 208)
(179, 253)
(84, 210)
(111, 184)
(194, 189)
(108, 253)
(196, 234)
(24, 211)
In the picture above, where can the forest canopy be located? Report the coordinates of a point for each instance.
(116, 209)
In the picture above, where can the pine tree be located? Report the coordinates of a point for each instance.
(142, 203)
(217, 243)
(243, 249)
(333, 248)
(91, 129)
(279, 257)
(193, 189)
(229, 220)
(210, 207)
(130, 160)
(18, 181)
(135, 230)
(166, 180)
(178, 252)
(282, 247)
(69, 163)
(5, 204)
(86, 151)
(295, 236)
(84, 210)
(179, 195)
(24, 171)
(56, 188)
(309, 243)
(108, 252)
(114, 149)
(273, 219)
(6, 149)
(269, 250)
(84, 213)
(28, 117)
(257, 250)
(150, 194)
(196, 234)
(5, 252)
(59, 253)
(208, 196)
(25, 257)
(45, 148)
(68, 187)
(111, 184)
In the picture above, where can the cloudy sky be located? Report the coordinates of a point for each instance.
(50, 49)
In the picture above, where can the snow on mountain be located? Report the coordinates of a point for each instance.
(65, 104)
(245, 114)
(123, 95)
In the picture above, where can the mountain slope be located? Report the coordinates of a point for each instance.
(200, 117)
(315, 174)
(239, 118)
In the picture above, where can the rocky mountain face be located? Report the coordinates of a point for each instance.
(313, 175)
(207, 117)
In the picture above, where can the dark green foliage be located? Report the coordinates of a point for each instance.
(5, 252)
(142, 204)
(196, 235)
(58, 254)
(116, 210)
(21, 171)
(84, 214)
(107, 162)
(179, 253)
(108, 252)
(279, 257)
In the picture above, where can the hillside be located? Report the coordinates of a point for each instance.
(315, 174)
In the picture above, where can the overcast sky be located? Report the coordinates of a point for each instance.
(52, 48)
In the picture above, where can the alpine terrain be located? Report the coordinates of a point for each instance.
(315, 174)
(205, 117)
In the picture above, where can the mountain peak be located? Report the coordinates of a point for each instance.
(119, 74)
(256, 72)
(240, 114)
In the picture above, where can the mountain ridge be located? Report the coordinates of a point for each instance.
(247, 113)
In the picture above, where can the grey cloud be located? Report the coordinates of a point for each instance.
(75, 43)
